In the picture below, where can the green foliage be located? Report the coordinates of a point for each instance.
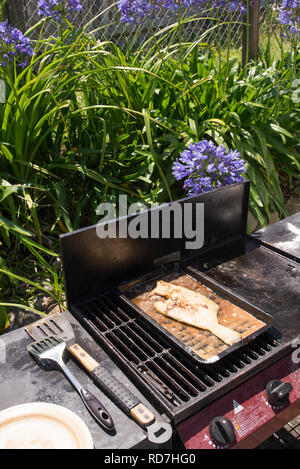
(2, 9)
(3, 318)
(87, 121)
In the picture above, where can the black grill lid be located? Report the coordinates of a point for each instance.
(92, 264)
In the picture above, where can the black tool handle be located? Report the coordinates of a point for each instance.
(112, 386)
(124, 398)
(98, 411)
(92, 403)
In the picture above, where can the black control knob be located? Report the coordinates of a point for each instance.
(222, 432)
(278, 392)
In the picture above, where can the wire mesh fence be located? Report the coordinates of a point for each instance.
(269, 26)
(109, 27)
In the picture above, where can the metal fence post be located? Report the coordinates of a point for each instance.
(250, 47)
(16, 13)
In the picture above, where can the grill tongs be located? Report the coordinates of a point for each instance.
(58, 327)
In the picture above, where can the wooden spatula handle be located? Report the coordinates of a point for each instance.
(83, 357)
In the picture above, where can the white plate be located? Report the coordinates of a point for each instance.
(43, 426)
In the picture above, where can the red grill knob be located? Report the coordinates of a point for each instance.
(278, 392)
(222, 432)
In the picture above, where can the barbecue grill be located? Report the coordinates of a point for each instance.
(202, 392)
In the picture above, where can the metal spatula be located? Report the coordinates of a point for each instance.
(49, 354)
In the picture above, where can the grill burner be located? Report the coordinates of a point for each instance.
(171, 377)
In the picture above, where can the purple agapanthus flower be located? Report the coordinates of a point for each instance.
(14, 45)
(59, 9)
(289, 16)
(135, 11)
(205, 166)
(231, 6)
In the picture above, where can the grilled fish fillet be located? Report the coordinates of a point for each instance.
(187, 308)
(182, 294)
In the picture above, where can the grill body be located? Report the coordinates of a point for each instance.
(98, 272)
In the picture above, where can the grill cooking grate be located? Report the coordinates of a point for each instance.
(171, 376)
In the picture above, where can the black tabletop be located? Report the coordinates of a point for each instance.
(23, 381)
